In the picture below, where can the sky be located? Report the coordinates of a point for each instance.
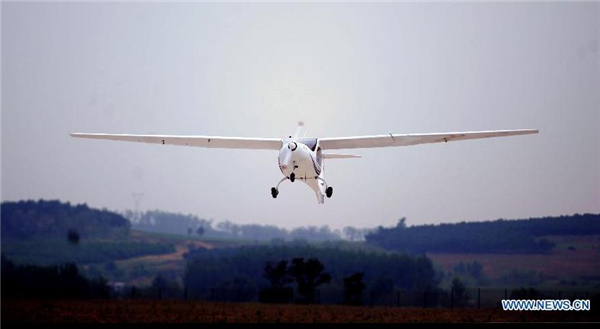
(345, 69)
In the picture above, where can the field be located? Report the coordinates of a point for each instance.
(172, 264)
(148, 311)
(574, 257)
(138, 258)
(49, 251)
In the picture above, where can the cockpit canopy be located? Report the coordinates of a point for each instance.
(310, 142)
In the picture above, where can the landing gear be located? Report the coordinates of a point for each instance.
(328, 190)
(292, 177)
(275, 190)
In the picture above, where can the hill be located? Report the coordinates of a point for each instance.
(36, 232)
(524, 236)
(27, 219)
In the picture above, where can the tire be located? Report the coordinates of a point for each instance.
(274, 192)
(292, 177)
(329, 191)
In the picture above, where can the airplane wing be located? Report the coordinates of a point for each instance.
(413, 139)
(198, 141)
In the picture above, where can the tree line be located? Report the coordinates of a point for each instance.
(293, 271)
(500, 236)
(27, 219)
(56, 281)
(182, 224)
(301, 280)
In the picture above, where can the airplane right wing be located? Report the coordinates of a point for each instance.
(413, 139)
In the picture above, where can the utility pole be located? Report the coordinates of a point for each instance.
(137, 197)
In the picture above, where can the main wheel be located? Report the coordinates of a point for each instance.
(292, 177)
(329, 191)
(274, 192)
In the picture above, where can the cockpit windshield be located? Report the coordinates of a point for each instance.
(310, 142)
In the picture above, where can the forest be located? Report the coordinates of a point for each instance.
(54, 281)
(243, 273)
(52, 232)
(182, 224)
(500, 236)
(27, 219)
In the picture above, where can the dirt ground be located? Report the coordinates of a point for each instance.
(167, 311)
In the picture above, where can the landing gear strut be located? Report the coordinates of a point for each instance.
(275, 190)
(292, 175)
(328, 190)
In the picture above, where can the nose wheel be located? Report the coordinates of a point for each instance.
(292, 177)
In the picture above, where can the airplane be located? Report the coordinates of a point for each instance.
(301, 157)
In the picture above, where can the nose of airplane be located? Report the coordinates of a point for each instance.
(292, 146)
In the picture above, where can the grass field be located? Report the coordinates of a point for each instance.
(50, 251)
(154, 252)
(172, 263)
(574, 257)
(148, 311)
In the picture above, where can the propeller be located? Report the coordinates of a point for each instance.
(299, 133)
(292, 145)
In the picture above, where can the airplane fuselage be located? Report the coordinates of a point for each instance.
(302, 159)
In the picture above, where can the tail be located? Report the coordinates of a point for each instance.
(320, 198)
(318, 187)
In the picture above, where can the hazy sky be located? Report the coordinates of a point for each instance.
(255, 69)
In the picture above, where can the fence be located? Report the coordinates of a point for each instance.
(473, 298)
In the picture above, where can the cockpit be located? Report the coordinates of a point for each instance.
(310, 142)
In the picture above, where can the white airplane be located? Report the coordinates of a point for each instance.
(301, 157)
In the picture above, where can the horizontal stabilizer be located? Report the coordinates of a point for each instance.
(340, 156)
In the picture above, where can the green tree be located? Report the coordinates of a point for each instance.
(353, 289)
(278, 277)
(277, 274)
(309, 276)
(459, 290)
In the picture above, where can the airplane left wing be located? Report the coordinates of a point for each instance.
(197, 141)
(413, 139)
